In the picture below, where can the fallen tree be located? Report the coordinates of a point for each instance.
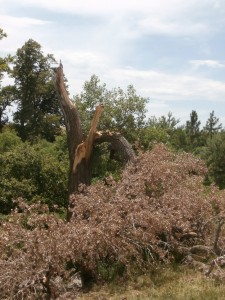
(80, 149)
(158, 214)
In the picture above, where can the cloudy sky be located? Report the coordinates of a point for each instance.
(172, 51)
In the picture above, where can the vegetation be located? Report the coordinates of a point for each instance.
(120, 229)
(173, 283)
(124, 112)
(35, 172)
(6, 93)
(214, 156)
(37, 113)
(153, 216)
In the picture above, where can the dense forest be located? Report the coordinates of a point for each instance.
(167, 206)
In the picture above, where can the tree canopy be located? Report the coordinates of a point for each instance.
(38, 111)
(212, 125)
(6, 92)
(124, 111)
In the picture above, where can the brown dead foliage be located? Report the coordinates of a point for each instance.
(159, 212)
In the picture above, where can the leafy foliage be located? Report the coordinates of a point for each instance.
(37, 172)
(212, 125)
(158, 130)
(2, 34)
(124, 112)
(8, 140)
(38, 109)
(7, 92)
(215, 156)
(193, 129)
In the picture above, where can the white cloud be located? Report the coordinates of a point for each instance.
(167, 27)
(172, 92)
(20, 22)
(80, 65)
(157, 85)
(82, 59)
(20, 29)
(207, 63)
(99, 7)
(171, 87)
(147, 16)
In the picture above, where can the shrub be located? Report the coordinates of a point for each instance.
(32, 171)
(8, 140)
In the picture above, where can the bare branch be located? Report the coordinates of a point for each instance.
(216, 247)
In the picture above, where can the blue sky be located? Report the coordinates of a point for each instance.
(172, 51)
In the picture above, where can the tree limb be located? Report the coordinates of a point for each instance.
(84, 150)
(118, 144)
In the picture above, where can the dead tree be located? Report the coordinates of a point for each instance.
(80, 149)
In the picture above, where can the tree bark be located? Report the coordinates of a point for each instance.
(74, 133)
(80, 150)
(118, 145)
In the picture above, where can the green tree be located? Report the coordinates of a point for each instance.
(166, 122)
(212, 125)
(6, 93)
(8, 140)
(158, 130)
(38, 109)
(2, 34)
(124, 111)
(150, 135)
(7, 96)
(193, 130)
(215, 158)
(128, 112)
(179, 139)
(93, 93)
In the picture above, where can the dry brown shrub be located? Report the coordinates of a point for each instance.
(159, 212)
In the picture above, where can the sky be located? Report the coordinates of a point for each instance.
(171, 51)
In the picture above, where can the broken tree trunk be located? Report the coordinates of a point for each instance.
(80, 150)
(118, 145)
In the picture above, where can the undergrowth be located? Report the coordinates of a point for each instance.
(181, 283)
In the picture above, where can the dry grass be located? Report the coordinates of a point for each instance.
(165, 284)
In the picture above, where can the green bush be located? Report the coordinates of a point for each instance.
(8, 140)
(35, 172)
(215, 157)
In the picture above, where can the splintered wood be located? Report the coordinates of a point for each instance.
(83, 150)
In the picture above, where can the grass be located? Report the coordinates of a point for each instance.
(179, 283)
